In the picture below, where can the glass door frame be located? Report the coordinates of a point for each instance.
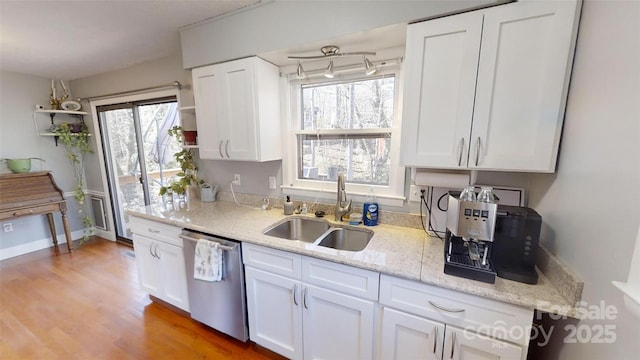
(107, 188)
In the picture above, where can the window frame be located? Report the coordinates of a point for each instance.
(391, 195)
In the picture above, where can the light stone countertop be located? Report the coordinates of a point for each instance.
(401, 251)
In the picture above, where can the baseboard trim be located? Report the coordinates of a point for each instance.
(32, 246)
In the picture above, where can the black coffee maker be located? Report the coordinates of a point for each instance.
(515, 243)
(484, 240)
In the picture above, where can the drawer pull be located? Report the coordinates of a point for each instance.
(220, 149)
(453, 345)
(304, 298)
(461, 149)
(445, 309)
(295, 290)
(435, 338)
(155, 231)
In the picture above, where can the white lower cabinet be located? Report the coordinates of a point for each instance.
(160, 261)
(295, 317)
(460, 344)
(420, 321)
(406, 336)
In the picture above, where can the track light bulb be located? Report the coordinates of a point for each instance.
(329, 72)
(300, 72)
(370, 69)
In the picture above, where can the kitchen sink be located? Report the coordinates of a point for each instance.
(346, 239)
(319, 232)
(301, 229)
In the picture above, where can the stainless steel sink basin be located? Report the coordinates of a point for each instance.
(301, 229)
(350, 239)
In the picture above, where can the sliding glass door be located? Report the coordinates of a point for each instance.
(138, 153)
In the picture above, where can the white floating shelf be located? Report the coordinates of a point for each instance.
(187, 108)
(52, 134)
(70, 112)
(190, 146)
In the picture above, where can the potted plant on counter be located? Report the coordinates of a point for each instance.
(187, 175)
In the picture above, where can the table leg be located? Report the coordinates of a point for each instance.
(52, 227)
(65, 224)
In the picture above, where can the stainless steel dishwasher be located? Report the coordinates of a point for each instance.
(218, 304)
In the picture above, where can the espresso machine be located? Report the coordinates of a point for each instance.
(485, 240)
(469, 238)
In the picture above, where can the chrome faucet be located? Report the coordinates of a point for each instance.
(341, 209)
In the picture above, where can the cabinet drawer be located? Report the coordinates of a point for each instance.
(470, 312)
(342, 278)
(156, 231)
(272, 260)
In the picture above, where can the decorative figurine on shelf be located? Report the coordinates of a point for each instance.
(53, 100)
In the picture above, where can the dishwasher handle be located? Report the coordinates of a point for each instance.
(220, 246)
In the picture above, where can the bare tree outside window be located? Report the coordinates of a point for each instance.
(346, 127)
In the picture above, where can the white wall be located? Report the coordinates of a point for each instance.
(18, 139)
(590, 206)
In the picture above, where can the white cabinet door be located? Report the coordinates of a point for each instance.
(238, 110)
(147, 264)
(441, 65)
(406, 336)
(466, 345)
(207, 96)
(239, 121)
(274, 306)
(174, 276)
(523, 77)
(336, 326)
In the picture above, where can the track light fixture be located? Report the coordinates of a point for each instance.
(330, 52)
(369, 68)
(300, 72)
(329, 72)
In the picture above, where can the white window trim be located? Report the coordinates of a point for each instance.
(391, 195)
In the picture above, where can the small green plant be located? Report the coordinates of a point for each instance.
(187, 175)
(77, 144)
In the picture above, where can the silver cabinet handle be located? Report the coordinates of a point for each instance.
(220, 149)
(435, 339)
(157, 254)
(304, 298)
(478, 151)
(295, 290)
(461, 149)
(155, 231)
(226, 148)
(453, 345)
(445, 309)
(151, 250)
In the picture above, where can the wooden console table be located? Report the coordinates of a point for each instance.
(34, 193)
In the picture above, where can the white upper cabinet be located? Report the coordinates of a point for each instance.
(441, 66)
(238, 110)
(507, 117)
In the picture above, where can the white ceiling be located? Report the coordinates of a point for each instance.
(73, 39)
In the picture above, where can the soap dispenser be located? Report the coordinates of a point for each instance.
(288, 206)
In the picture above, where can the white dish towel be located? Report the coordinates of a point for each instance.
(207, 263)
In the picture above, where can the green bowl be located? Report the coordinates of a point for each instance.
(20, 165)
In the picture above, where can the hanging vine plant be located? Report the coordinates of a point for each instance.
(188, 174)
(75, 138)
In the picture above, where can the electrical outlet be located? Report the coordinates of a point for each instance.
(8, 227)
(272, 182)
(236, 179)
(414, 192)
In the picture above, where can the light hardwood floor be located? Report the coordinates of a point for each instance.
(87, 305)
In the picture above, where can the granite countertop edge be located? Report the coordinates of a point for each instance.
(394, 250)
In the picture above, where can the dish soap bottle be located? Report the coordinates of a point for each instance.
(370, 210)
(288, 206)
